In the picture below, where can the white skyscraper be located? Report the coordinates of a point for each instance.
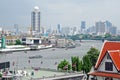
(35, 19)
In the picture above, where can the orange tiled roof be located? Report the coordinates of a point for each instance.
(115, 56)
(105, 74)
(108, 45)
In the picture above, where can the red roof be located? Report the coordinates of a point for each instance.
(108, 45)
(105, 74)
(115, 56)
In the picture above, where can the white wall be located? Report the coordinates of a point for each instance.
(102, 65)
(31, 40)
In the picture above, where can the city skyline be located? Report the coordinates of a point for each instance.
(64, 12)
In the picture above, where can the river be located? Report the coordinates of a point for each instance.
(50, 58)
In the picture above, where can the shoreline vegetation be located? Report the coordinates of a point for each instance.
(106, 36)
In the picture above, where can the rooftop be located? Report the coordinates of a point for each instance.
(107, 46)
(104, 74)
(47, 74)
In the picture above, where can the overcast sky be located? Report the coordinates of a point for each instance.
(64, 12)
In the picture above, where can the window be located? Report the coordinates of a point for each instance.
(108, 66)
(36, 41)
(108, 57)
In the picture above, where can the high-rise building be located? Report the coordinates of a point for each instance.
(65, 30)
(59, 28)
(91, 30)
(100, 28)
(35, 19)
(113, 30)
(16, 29)
(108, 26)
(83, 24)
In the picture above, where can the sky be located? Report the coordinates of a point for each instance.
(68, 13)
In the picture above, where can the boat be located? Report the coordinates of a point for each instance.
(35, 57)
(33, 47)
(70, 46)
(40, 47)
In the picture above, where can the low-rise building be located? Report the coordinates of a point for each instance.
(11, 39)
(65, 43)
(31, 41)
(61, 43)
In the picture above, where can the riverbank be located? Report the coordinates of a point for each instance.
(16, 48)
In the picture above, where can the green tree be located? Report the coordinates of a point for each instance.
(18, 42)
(76, 64)
(90, 59)
(64, 65)
(80, 66)
(93, 54)
(86, 64)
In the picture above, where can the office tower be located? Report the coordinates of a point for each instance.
(91, 30)
(35, 19)
(83, 24)
(113, 30)
(16, 29)
(59, 28)
(65, 30)
(74, 30)
(108, 26)
(100, 28)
